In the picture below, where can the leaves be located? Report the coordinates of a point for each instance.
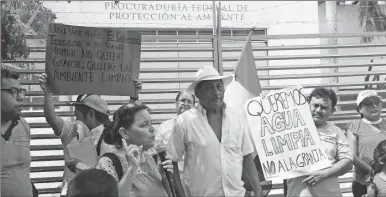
(14, 17)
(372, 18)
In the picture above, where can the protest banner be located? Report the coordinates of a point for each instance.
(285, 134)
(83, 60)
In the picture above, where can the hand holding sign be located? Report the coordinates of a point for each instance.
(43, 82)
(315, 177)
(285, 134)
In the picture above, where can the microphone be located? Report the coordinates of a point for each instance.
(161, 151)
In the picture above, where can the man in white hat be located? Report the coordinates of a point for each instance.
(215, 142)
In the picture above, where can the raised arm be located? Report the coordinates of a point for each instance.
(52, 119)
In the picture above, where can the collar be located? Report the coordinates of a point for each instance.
(372, 122)
(97, 131)
(202, 110)
(326, 125)
(98, 128)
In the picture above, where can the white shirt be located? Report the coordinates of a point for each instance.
(211, 168)
(166, 129)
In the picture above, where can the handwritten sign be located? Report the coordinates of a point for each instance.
(92, 60)
(285, 134)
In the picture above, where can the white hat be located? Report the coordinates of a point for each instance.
(366, 94)
(208, 73)
(92, 101)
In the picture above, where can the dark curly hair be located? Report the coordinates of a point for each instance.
(325, 94)
(123, 117)
(91, 183)
(378, 156)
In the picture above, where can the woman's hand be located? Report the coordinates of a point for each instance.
(133, 155)
(168, 164)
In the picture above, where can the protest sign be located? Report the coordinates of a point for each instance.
(285, 134)
(83, 60)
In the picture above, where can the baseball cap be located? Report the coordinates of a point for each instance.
(366, 94)
(92, 101)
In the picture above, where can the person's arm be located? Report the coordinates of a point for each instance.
(344, 154)
(251, 174)
(249, 167)
(176, 149)
(52, 119)
(339, 168)
(126, 183)
(344, 157)
(358, 162)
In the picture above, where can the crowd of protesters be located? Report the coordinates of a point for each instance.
(209, 151)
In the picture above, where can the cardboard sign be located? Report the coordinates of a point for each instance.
(285, 134)
(83, 60)
(84, 150)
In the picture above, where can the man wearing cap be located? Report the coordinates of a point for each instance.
(364, 135)
(91, 111)
(215, 142)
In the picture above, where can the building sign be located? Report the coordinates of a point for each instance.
(159, 11)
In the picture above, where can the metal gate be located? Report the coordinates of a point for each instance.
(170, 58)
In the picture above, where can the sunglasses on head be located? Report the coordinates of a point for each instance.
(124, 110)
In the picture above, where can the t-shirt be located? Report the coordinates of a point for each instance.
(335, 147)
(16, 161)
(368, 137)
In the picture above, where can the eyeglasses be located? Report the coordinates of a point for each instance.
(16, 92)
(371, 103)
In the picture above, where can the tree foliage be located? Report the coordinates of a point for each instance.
(372, 18)
(18, 19)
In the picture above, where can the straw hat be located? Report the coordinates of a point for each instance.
(208, 73)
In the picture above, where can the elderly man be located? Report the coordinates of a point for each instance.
(15, 138)
(215, 142)
(334, 145)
